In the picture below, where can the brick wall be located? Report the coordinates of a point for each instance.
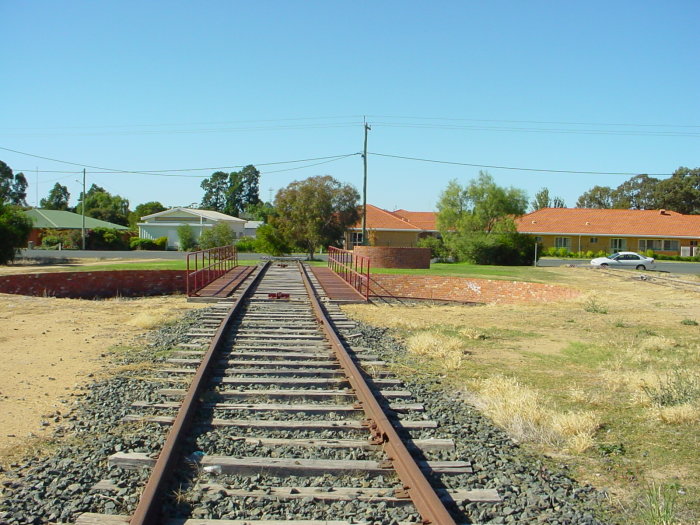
(89, 285)
(466, 290)
(394, 257)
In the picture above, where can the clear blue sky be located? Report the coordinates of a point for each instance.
(133, 85)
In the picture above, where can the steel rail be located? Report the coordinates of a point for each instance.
(427, 502)
(147, 510)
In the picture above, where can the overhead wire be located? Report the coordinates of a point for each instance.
(514, 168)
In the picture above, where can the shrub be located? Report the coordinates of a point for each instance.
(438, 250)
(676, 388)
(269, 240)
(219, 235)
(245, 245)
(185, 235)
(138, 243)
(507, 249)
(562, 252)
(106, 239)
(15, 228)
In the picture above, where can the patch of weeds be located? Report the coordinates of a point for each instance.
(689, 322)
(593, 306)
(612, 449)
(570, 321)
(659, 505)
(676, 388)
(619, 324)
(646, 331)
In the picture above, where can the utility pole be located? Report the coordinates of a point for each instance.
(36, 200)
(364, 190)
(83, 210)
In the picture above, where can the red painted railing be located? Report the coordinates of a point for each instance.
(205, 266)
(354, 269)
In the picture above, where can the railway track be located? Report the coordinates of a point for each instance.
(284, 422)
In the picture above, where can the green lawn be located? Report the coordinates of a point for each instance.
(507, 273)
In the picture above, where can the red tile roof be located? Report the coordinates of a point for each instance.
(640, 223)
(380, 219)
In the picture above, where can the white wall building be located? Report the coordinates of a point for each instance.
(166, 223)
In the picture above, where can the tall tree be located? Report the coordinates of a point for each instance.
(146, 208)
(637, 193)
(57, 199)
(543, 200)
(680, 192)
(315, 212)
(231, 193)
(215, 192)
(100, 204)
(596, 197)
(13, 187)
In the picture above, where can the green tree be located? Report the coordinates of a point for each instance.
(100, 204)
(680, 192)
(269, 240)
(215, 191)
(262, 211)
(15, 228)
(57, 199)
(185, 235)
(596, 197)
(13, 187)
(219, 235)
(637, 193)
(231, 193)
(543, 200)
(315, 212)
(147, 208)
(476, 222)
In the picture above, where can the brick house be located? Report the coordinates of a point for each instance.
(584, 229)
(44, 220)
(400, 228)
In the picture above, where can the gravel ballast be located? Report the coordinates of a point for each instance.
(58, 488)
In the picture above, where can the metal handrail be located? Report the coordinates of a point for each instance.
(205, 266)
(352, 268)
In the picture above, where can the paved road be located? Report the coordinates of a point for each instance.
(661, 266)
(136, 254)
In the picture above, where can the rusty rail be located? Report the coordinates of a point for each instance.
(422, 494)
(205, 266)
(354, 269)
(146, 512)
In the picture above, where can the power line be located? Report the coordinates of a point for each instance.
(635, 133)
(162, 172)
(577, 172)
(553, 122)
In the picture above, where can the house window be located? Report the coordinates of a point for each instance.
(356, 238)
(562, 242)
(594, 240)
(618, 245)
(650, 244)
(672, 246)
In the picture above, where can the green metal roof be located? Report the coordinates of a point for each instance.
(67, 220)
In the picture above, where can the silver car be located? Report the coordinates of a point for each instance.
(624, 260)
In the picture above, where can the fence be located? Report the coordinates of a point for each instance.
(354, 269)
(205, 266)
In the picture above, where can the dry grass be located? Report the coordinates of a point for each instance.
(525, 415)
(448, 350)
(677, 414)
(153, 318)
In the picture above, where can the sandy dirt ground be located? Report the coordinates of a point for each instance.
(50, 347)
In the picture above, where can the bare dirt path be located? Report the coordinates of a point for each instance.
(50, 347)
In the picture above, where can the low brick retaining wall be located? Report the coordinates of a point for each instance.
(395, 257)
(466, 290)
(90, 285)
